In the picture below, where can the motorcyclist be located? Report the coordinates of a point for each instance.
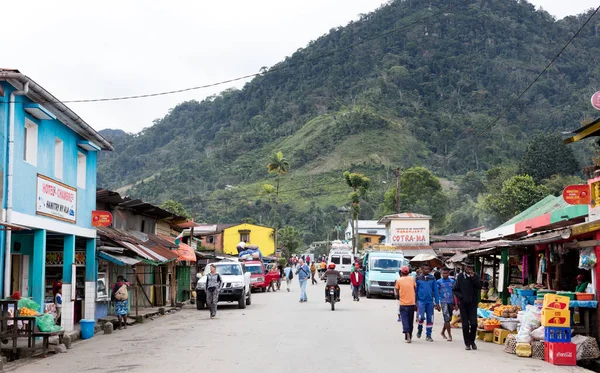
(332, 277)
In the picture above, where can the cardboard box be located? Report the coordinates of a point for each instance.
(556, 318)
(560, 353)
(557, 302)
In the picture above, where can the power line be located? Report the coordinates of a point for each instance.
(272, 70)
(497, 119)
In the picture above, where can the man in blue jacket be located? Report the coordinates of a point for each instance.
(303, 273)
(427, 300)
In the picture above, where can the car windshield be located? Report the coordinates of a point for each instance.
(226, 269)
(254, 269)
(386, 264)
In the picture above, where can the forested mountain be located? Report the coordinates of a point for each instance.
(373, 95)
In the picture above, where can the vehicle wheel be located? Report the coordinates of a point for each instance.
(368, 294)
(263, 289)
(332, 301)
(242, 302)
(249, 299)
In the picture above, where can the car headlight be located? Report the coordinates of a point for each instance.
(260, 279)
(372, 282)
(201, 285)
(237, 284)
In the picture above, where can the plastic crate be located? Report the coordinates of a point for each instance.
(560, 353)
(552, 334)
(527, 293)
(501, 334)
(556, 318)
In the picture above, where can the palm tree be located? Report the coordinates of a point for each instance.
(279, 166)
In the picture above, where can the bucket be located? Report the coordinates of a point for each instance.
(87, 328)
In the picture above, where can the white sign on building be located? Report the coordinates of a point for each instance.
(406, 229)
(56, 200)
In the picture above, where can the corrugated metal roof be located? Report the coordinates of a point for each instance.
(545, 206)
(149, 250)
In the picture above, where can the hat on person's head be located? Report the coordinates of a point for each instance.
(468, 262)
(580, 277)
(405, 270)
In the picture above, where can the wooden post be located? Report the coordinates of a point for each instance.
(137, 284)
(494, 271)
(398, 186)
(506, 276)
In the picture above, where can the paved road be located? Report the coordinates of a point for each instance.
(278, 334)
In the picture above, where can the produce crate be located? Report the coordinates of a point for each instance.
(584, 296)
(527, 293)
(556, 302)
(501, 334)
(552, 334)
(557, 353)
(567, 294)
(556, 318)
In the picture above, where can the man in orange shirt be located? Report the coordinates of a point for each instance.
(405, 293)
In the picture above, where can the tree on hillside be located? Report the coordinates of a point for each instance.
(279, 166)
(547, 155)
(289, 240)
(517, 194)
(557, 183)
(359, 184)
(175, 208)
(421, 193)
(471, 185)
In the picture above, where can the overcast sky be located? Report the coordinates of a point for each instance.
(77, 50)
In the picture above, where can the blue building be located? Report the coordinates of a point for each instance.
(48, 173)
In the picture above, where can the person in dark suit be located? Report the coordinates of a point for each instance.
(466, 289)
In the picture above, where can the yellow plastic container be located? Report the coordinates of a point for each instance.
(556, 318)
(481, 334)
(557, 302)
(501, 334)
(489, 337)
(523, 350)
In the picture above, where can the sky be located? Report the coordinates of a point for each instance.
(83, 50)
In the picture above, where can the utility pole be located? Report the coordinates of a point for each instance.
(398, 186)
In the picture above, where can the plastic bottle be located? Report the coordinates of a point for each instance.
(576, 317)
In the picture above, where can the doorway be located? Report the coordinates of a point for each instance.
(15, 283)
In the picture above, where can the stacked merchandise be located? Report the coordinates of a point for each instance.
(556, 320)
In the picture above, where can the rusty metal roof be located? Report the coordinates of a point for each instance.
(151, 249)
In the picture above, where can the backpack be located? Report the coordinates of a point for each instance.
(291, 275)
(122, 293)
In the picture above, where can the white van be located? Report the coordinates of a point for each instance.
(343, 257)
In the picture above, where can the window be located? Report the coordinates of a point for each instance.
(346, 259)
(245, 236)
(211, 239)
(81, 169)
(335, 259)
(143, 226)
(31, 142)
(58, 158)
(367, 239)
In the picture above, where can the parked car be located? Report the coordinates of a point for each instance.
(381, 271)
(235, 286)
(260, 277)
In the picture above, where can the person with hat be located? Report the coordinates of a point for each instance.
(581, 284)
(405, 293)
(466, 289)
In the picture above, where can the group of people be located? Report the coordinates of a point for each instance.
(423, 293)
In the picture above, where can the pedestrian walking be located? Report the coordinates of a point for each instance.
(356, 279)
(58, 305)
(466, 289)
(427, 300)
(308, 259)
(303, 273)
(280, 269)
(313, 270)
(405, 293)
(213, 286)
(120, 295)
(289, 275)
(323, 266)
(445, 285)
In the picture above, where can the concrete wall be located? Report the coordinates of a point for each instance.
(408, 232)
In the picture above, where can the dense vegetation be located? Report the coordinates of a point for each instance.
(421, 96)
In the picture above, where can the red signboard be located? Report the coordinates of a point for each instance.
(101, 218)
(596, 100)
(577, 194)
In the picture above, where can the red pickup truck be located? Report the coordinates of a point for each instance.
(260, 278)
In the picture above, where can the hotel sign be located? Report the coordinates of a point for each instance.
(56, 200)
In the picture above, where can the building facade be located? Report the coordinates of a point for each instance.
(49, 190)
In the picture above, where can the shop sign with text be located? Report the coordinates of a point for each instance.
(56, 200)
(415, 236)
(577, 194)
(101, 218)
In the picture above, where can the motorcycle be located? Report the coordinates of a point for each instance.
(332, 298)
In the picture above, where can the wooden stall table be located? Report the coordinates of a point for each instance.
(585, 307)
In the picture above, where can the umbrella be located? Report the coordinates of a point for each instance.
(432, 260)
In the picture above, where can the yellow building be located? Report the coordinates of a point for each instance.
(263, 237)
(368, 240)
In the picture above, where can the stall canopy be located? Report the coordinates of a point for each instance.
(184, 252)
(118, 259)
(150, 251)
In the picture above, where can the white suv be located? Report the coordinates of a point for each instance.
(235, 286)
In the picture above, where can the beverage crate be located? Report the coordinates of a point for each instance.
(556, 302)
(558, 353)
(556, 318)
(501, 334)
(552, 334)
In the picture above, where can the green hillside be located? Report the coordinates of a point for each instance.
(367, 98)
